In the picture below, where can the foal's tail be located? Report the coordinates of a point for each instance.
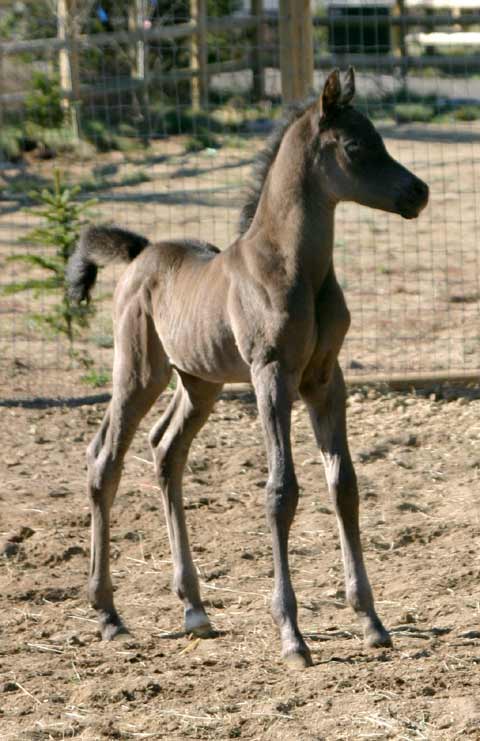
(99, 245)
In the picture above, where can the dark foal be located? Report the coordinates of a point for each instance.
(267, 310)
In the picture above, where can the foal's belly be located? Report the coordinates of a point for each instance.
(204, 348)
(210, 364)
(191, 319)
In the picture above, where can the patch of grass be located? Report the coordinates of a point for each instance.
(234, 141)
(23, 184)
(110, 168)
(99, 182)
(467, 113)
(59, 139)
(406, 106)
(129, 144)
(135, 178)
(103, 340)
(201, 140)
(409, 112)
(99, 135)
(404, 101)
(429, 73)
(10, 147)
(96, 378)
(229, 118)
(122, 138)
(29, 136)
(126, 129)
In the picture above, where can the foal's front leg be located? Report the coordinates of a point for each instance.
(275, 390)
(326, 406)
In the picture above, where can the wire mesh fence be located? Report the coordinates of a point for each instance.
(163, 133)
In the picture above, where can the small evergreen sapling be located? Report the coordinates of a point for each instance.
(62, 220)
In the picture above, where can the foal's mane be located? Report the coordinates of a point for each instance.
(263, 162)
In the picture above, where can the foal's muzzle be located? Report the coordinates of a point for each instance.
(413, 199)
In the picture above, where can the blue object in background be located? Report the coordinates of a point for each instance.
(102, 15)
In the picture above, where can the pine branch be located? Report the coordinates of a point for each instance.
(37, 260)
(33, 284)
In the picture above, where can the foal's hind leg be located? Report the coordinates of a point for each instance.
(326, 405)
(138, 378)
(171, 439)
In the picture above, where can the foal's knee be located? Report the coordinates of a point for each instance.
(167, 464)
(281, 501)
(345, 493)
(342, 482)
(103, 473)
(94, 469)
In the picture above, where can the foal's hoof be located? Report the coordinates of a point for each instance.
(377, 637)
(111, 626)
(298, 660)
(197, 622)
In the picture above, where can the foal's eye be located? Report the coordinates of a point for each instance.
(352, 148)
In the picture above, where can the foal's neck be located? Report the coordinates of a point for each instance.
(295, 218)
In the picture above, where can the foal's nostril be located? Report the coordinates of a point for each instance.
(413, 199)
(420, 190)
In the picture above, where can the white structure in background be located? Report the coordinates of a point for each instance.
(272, 5)
(455, 37)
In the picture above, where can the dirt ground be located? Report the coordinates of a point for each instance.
(418, 462)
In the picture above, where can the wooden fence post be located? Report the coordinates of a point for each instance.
(67, 19)
(139, 68)
(296, 49)
(199, 54)
(258, 70)
(2, 83)
(398, 36)
(398, 31)
(135, 23)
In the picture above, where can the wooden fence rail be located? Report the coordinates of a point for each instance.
(162, 33)
(221, 25)
(294, 55)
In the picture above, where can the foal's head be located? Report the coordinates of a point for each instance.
(351, 159)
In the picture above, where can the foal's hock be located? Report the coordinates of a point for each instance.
(267, 310)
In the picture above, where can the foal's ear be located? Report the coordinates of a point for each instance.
(348, 87)
(332, 91)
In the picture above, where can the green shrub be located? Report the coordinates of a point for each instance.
(10, 144)
(62, 219)
(201, 140)
(127, 129)
(408, 112)
(100, 136)
(43, 103)
(467, 113)
(96, 378)
(58, 139)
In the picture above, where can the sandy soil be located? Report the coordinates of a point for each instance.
(418, 461)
